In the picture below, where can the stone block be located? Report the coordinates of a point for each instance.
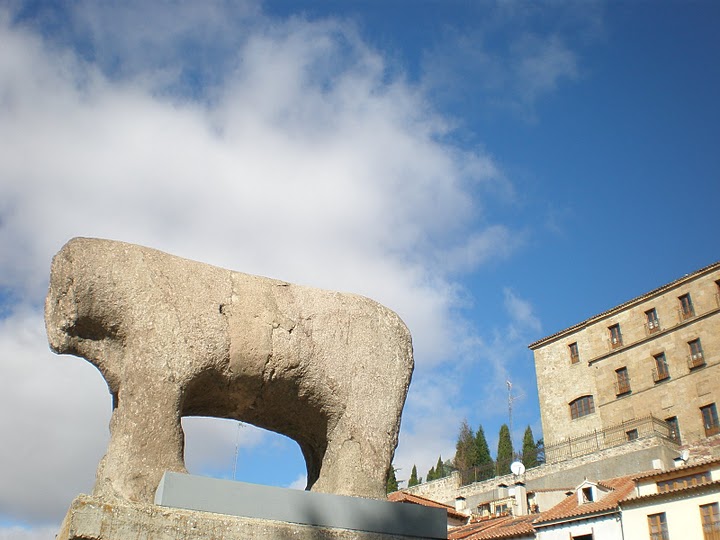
(90, 518)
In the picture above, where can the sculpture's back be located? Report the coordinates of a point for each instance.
(175, 337)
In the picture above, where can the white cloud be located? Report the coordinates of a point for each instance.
(21, 533)
(518, 55)
(54, 425)
(306, 161)
(299, 483)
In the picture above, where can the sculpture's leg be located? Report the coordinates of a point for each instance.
(356, 460)
(146, 439)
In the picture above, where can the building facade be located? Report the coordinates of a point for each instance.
(678, 503)
(654, 360)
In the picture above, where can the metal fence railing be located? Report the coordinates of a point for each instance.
(588, 443)
(597, 440)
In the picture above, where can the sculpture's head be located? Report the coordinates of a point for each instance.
(77, 317)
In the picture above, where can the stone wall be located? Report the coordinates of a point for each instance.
(630, 458)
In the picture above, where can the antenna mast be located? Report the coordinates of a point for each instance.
(511, 398)
(237, 448)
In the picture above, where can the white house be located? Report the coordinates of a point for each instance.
(680, 503)
(591, 512)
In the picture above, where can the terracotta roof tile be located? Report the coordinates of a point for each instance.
(570, 508)
(496, 528)
(402, 496)
(685, 468)
(632, 498)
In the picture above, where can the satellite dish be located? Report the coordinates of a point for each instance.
(517, 468)
(685, 454)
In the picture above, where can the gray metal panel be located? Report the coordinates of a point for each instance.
(303, 507)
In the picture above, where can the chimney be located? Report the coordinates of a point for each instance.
(520, 499)
(460, 505)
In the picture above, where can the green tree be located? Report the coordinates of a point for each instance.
(392, 484)
(465, 452)
(431, 474)
(483, 460)
(505, 451)
(540, 449)
(439, 468)
(413, 477)
(529, 449)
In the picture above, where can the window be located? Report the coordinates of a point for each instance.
(632, 434)
(587, 494)
(615, 336)
(710, 420)
(686, 307)
(710, 517)
(661, 371)
(657, 523)
(582, 406)
(651, 321)
(696, 358)
(622, 382)
(574, 355)
(674, 428)
(684, 482)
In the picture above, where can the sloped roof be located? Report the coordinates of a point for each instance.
(670, 473)
(706, 486)
(624, 305)
(496, 528)
(402, 496)
(570, 508)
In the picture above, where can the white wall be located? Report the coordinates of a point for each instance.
(603, 528)
(682, 514)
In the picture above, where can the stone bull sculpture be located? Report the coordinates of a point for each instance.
(174, 338)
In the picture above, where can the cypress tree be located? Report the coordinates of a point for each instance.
(413, 477)
(465, 452)
(529, 449)
(439, 468)
(505, 451)
(392, 484)
(483, 460)
(431, 474)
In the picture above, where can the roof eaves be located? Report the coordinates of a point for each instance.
(624, 305)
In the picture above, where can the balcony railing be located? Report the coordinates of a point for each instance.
(615, 435)
(652, 326)
(685, 314)
(660, 374)
(612, 436)
(695, 360)
(622, 387)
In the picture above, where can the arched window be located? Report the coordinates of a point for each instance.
(582, 406)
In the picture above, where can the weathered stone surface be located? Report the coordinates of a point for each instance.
(93, 519)
(174, 338)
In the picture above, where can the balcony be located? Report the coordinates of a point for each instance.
(652, 326)
(622, 387)
(695, 361)
(685, 314)
(660, 374)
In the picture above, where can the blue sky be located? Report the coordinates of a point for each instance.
(492, 171)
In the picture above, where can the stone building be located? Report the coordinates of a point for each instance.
(650, 365)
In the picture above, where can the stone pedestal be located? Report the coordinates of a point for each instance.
(196, 508)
